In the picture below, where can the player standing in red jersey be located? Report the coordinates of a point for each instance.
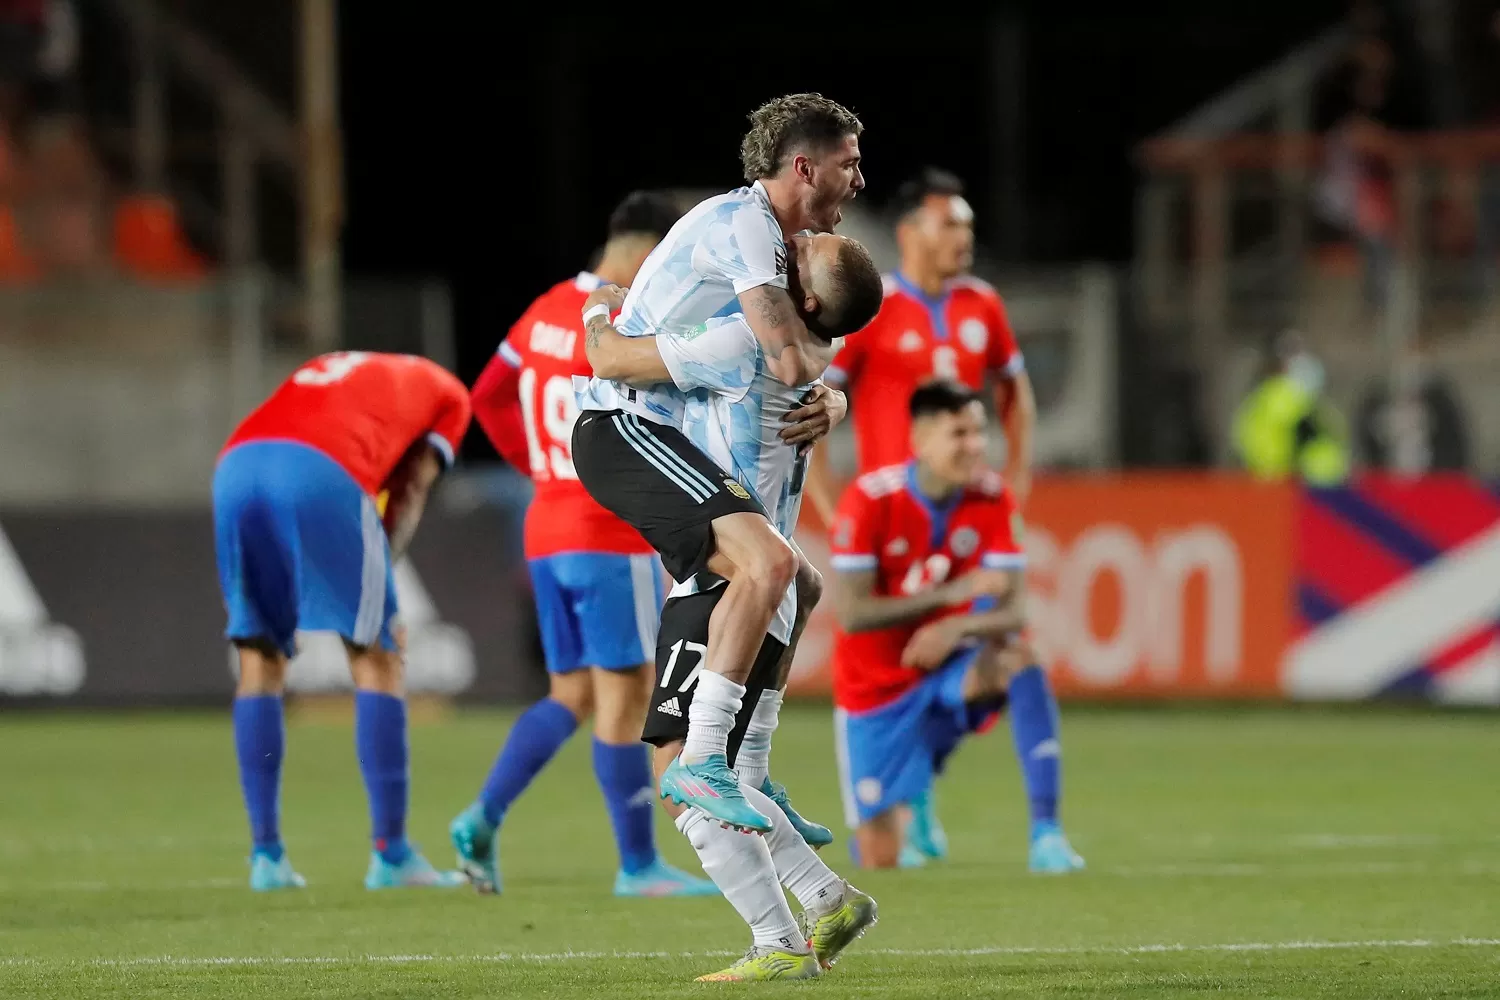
(302, 545)
(936, 322)
(597, 583)
(929, 599)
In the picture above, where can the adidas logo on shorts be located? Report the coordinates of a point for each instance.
(670, 707)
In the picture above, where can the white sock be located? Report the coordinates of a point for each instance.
(740, 865)
(798, 866)
(753, 763)
(711, 716)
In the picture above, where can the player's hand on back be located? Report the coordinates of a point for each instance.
(931, 644)
(612, 296)
(821, 410)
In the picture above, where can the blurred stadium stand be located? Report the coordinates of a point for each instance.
(169, 210)
(1321, 195)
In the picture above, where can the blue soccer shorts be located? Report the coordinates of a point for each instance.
(300, 547)
(888, 756)
(597, 609)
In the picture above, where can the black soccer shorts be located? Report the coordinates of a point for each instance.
(657, 481)
(681, 644)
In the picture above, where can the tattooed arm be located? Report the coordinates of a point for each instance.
(794, 354)
(633, 360)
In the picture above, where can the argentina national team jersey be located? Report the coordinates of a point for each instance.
(724, 246)
(732, 413)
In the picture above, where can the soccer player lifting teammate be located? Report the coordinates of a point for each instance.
(595, 580)
(302, 545)
(929, 599)
(735, 414)
(729, 253)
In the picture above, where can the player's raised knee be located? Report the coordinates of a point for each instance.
(772, 565)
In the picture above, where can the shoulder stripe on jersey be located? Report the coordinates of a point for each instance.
(444, 449)
(974, 284)
(884, 481)
(990, 484)
(888, 285)
(1003, 560)
(509, 354)
(852, 562)
(1015, 366)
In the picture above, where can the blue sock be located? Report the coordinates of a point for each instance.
(380, 738)
(1033, 723)
(534, 740)
(259, 743)
(624, 775)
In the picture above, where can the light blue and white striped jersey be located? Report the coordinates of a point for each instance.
(732, 413)
(724, 246)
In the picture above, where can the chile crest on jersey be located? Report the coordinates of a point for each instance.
(943, 336)
(927, 543)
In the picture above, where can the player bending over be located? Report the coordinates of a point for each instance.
(302, 546)
(595, 580)
(736, 414)
(727, 254)
(930, 604)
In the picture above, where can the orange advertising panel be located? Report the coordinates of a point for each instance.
(1150, 585)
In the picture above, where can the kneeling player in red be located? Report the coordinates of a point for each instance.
(931, 648)
(302, 546)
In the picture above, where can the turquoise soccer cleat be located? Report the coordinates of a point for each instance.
(267, 875)
(714, 790)
(474, 839)
(415, 872)
(925, 832)
(661, 879)
(910, 857)
(816, 834)
(1051, 854)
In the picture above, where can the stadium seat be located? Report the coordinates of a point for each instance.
(149, 242)
(16, 263)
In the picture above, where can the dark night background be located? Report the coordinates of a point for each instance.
(492, 154)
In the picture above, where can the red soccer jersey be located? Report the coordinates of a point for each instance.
(533, 372)
(884, 524)
(364, 411)
(963, 334)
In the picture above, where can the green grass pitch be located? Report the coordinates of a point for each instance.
(1256, 853)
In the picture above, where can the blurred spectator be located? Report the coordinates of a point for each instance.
(1284, 428)
(1418, 428)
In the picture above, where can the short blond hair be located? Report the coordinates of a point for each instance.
(795, 123)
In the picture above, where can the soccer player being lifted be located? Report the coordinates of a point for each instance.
(595, 580)
(727, 254)
(735, 416)
(930, 603)
(302, 545)
(937, 321)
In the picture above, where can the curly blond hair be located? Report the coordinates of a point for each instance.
(790, 124)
